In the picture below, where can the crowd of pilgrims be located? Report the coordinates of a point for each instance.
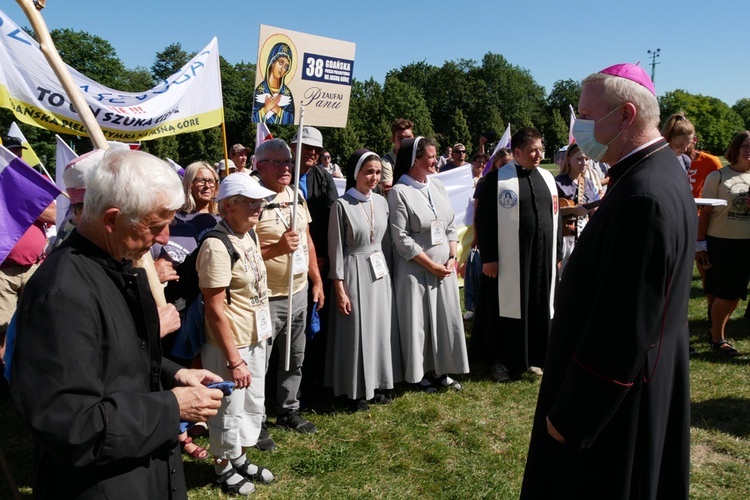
(388, 253)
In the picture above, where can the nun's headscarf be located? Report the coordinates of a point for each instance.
(407, 155)
(354, 165)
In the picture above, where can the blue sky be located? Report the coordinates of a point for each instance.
(554, 40)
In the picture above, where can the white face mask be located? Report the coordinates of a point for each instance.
(583, 133)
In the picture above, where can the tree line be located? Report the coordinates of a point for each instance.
(456, 102)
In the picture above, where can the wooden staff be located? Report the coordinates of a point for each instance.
(47, 46)
(293, 225)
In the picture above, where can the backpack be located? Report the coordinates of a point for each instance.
(191, 336)
(186, 287)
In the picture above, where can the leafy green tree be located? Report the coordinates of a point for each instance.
(89, 54)
(169, 61)
(402, 100)
(458, 130)
(742, 108)
(136, 80)
(715, 122)
(564, 93)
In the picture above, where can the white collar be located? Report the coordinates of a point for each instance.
(411, 181)
(357, 195)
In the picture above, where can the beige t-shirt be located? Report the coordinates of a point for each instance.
(246, 281)
(272, 225)
(732, 221)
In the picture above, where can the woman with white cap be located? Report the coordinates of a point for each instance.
(363, 352)
(425, 285)
(237, 325)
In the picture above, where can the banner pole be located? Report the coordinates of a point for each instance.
(224, 143)
(96, 135)
(297, 160)
(47, 46)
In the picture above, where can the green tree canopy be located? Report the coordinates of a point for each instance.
(742, 108)
(715, 122)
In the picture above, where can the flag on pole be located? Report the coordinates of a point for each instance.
(504, 142)
(63, 156)
(262, 134)
(24, 194)
(29, 156)
(187, 101)
(176, 167)
(571, 139)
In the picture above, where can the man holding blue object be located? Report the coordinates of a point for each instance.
(88, 376)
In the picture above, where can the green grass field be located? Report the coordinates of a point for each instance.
(463, 445)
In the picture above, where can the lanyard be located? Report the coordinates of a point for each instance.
(428, 197)
(370, 221)
(249, 257)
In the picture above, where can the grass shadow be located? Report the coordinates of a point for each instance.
(726, 414)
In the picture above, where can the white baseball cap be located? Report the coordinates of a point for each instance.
(242, 184)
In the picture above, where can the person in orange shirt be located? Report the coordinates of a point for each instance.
(702, 165)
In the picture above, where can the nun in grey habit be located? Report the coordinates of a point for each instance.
(431, 328)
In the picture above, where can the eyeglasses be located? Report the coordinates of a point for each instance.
(253, 204)
(459, 151)
(278, 163)
(204, 182)
(326, 157)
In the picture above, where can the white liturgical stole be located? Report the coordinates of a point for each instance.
(508, 259)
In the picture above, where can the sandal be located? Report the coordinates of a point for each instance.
(447, 382)
(199, 453)
(261, 474)
(241, 487)
(425, 386)
(725, 348)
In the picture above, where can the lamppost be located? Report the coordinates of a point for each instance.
(654, 54)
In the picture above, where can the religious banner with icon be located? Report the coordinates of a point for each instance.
(297, 70)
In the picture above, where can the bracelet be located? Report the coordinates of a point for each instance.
(451, 257)
(701, 246)
(236, 365)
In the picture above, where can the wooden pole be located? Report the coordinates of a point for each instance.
(47, 47)
(293, 225)
(96, 135)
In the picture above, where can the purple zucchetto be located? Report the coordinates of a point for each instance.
(633, 73)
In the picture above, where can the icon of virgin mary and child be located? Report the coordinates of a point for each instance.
(273, 99)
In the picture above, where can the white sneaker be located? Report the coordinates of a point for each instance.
(535, 370)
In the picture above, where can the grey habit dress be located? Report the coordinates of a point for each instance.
(429, 309)
(363, 352)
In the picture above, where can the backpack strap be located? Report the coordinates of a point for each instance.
(233, 254)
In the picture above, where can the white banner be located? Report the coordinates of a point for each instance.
(187, 101)
(460, 187)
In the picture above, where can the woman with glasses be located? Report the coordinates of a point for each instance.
(363, 358)
(198, 215)
(238, 323)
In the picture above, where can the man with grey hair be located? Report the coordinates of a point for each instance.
(613, 415)
(280, 241)
(88, 375)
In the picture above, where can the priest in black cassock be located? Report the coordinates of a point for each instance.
(613, 415)
(519, 239)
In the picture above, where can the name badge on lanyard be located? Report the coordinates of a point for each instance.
(299, 260)
(263, 322)
(377, 265)
(438, 232)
